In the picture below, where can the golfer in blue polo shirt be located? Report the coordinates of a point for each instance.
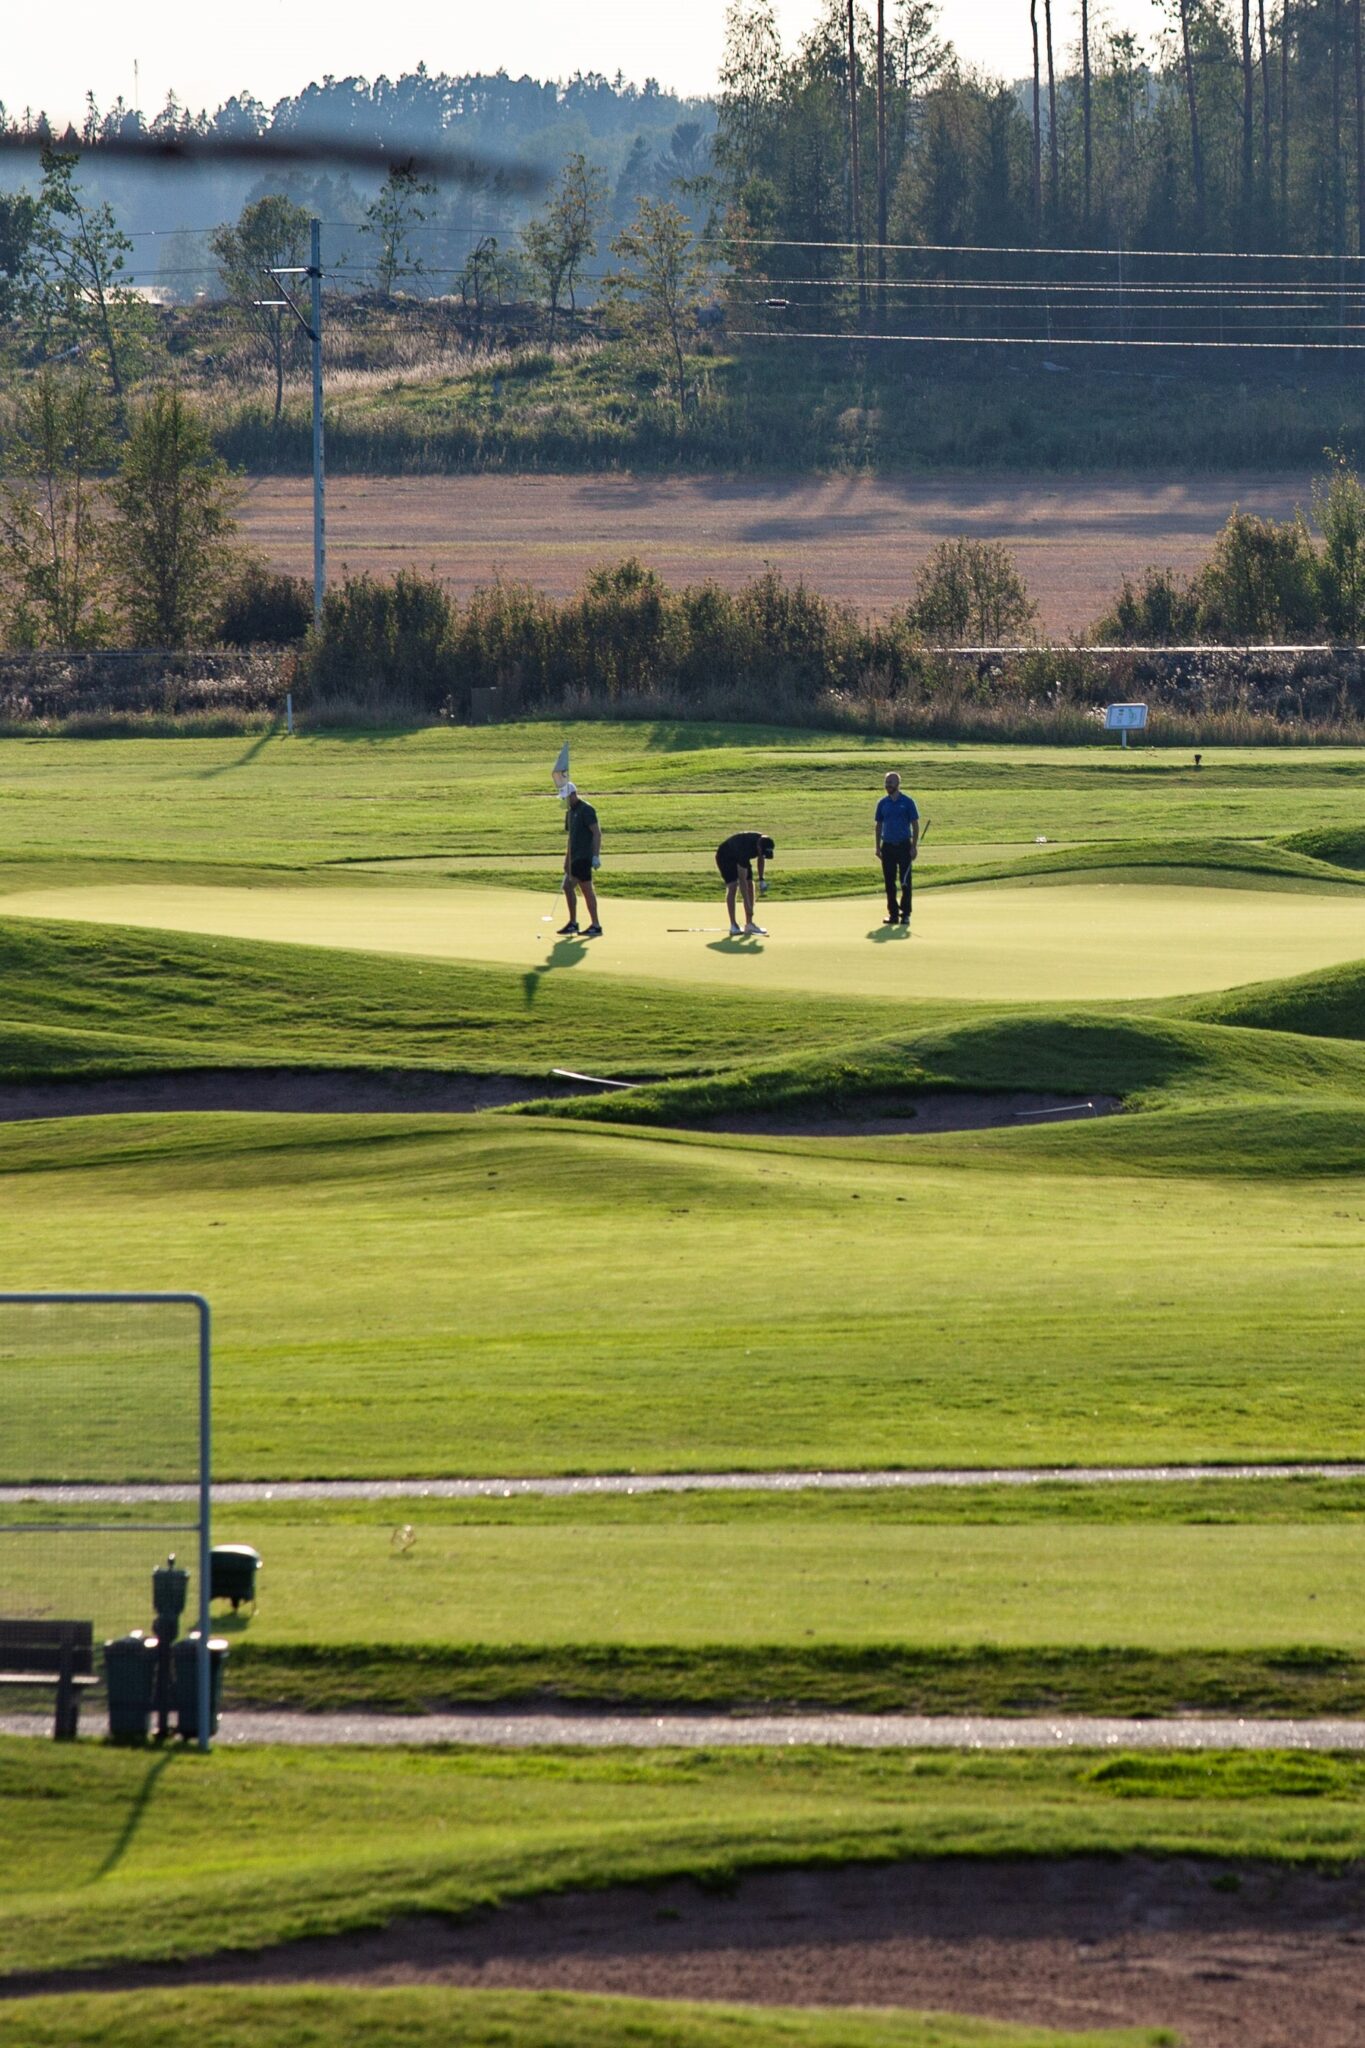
(897, 845)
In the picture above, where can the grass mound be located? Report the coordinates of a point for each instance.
(1150, 1061)
(1342, 846)
(113, 1856)
(88, 999)
(1328, 1003)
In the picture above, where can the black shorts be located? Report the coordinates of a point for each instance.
(581, 870)
(730, 867)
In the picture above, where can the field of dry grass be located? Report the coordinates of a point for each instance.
(858, 538)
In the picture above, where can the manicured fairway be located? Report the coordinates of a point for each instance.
(768, 1582)
(1007, 942)
(418, 1295)
(662, 787)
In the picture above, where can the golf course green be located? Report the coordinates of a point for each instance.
(991, 942)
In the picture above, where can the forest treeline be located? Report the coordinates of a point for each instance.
(1243, 128)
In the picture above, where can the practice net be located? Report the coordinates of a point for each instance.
(104, 1454)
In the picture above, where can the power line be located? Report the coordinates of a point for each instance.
(1044, 341)
(1010, 249)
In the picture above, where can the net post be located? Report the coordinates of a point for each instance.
(202, 1664)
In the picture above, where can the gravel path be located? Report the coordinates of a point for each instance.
(588, 1730)
(234, 1491)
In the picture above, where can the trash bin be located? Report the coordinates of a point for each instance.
(130, 1679)
(232, 1573)
(187, 1684)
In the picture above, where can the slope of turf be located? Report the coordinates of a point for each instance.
(1327, 1004)
(110, 1854)
(278, 2016)
(97, 999)
(410, 1295)
(1150, 1061)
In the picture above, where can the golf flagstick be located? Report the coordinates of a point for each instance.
(559, 775)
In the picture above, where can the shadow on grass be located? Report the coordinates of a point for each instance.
(564, 953)
(245, 759)
(136, 1814)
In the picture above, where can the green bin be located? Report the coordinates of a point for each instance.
(186, 1658)
(130, 1680)
(232, 1573)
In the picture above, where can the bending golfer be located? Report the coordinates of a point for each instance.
(897, 845)
(735, 857)
(582, 854)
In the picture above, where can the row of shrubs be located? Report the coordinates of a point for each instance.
(1265, 580)
(627, 643)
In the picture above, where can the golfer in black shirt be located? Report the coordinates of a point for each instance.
(735, 857)
(582, 853)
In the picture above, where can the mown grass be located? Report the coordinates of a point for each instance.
(410, 1295)
(660, 787)
(277, 2016)
(112, 1855)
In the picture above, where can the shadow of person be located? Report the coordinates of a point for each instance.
(564, 953)
(737, 946)
(880, 933)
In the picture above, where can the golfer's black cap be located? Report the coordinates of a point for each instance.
(769, 848)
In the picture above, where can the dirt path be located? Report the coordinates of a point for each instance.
(856, 538)
(1259, 1957)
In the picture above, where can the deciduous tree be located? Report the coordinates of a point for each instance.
(173, 531)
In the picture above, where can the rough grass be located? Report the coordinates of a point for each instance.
(1149, 1060)
(111, 1855)
(278, 2016)
(82, 1000)
(787, 405)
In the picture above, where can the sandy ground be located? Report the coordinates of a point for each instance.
(283, 1091)
(1257, 1957)
(1086, 940)
(857, 538)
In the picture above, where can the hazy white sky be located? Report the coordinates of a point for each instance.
(208, 51)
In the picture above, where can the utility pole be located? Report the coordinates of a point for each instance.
(312, 327)
(319, 472)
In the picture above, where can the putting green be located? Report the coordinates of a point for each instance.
(1011, 941)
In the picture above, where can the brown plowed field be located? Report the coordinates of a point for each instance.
(857, 538)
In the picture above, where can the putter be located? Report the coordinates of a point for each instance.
(697, 928)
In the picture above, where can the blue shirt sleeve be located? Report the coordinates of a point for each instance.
(914, 810)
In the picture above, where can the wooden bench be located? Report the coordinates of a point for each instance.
(55, 1653)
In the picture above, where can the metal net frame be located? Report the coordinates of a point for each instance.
(105, 1457)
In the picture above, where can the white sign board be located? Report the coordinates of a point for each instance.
(1125, 718)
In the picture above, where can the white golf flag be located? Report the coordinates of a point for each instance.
(559, 774)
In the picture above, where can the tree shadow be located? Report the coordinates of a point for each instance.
(136, 1814)
(564, 953)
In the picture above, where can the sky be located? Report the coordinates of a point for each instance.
(206, 53)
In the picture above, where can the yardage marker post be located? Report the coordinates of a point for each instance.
(139, 1298)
